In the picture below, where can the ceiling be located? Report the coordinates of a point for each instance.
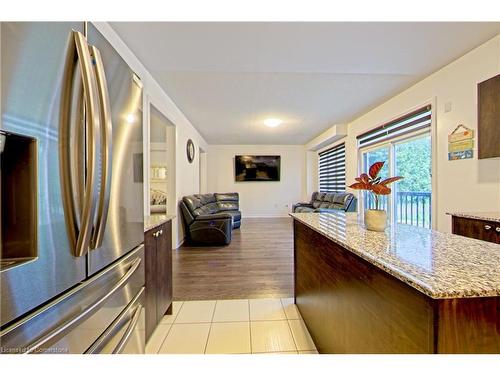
(228, 77)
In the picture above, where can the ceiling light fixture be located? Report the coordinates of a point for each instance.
(273, 122)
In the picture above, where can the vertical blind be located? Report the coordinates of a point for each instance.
(411, 122)
(332, 169)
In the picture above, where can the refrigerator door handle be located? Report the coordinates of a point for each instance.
(64, 328)
(106, 150)
(79, 227)
(130, 329)
(118, 323)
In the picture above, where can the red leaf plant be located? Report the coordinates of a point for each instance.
(372, 182)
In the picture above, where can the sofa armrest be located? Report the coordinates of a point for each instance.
(217, 216)
(302, 204)
(327, 210)
(211, 229)
(352, 205)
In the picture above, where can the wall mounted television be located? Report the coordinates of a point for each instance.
(257, 167)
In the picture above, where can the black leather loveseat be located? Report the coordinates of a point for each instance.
(210, 218)
(326, 202)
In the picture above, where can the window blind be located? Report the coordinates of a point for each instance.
(332, 169)
(413, 121)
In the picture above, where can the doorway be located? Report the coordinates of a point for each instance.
(162, 164)
(411, 198)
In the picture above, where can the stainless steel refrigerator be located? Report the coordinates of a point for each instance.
(72, 269)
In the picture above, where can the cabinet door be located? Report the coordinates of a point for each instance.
(488, 118)
(150, 255)
(164, 269)
(479, 229)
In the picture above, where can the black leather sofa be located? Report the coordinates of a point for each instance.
(210, 218)
(327, 202)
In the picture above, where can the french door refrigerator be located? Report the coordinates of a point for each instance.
(72, 269)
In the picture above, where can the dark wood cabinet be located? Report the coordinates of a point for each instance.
(158, 243)
(488, 118)
(150, 255)
(475, 228)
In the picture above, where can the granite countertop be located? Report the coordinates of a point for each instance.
(488, 216)
(438, 264)
(153, 221)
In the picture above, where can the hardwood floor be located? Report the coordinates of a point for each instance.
(258, 263)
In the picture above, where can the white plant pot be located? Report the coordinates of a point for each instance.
(376, 220)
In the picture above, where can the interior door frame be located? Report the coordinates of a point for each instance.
(148, 104)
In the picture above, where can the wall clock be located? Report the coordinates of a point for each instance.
(190, 150)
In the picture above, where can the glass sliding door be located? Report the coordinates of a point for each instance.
(410, 157)
(370, 156)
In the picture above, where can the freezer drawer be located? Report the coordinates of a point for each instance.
(127, 334)
(77, 319)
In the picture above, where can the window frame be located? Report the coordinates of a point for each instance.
(432, 129)
(391, 144)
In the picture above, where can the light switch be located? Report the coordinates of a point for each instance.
(447, 107)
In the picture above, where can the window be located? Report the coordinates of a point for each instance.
(405, 146)
(332, 169)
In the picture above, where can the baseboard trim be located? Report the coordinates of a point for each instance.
(180, 243)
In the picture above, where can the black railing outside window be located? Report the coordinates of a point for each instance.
(412, 207)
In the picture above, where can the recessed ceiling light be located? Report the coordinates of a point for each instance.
(273, 122)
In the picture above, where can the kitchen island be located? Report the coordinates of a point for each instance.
(405, 290)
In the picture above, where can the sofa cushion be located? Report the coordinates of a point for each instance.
(331, 207)
(192, 202)
(341, 198)
(208, 209)
(227, 201)
(329, 197)
(212, 208)
(232, 197)
(205, 198)
(228, 206)
(304, 209)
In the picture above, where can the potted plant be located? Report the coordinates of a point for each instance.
(375, 219)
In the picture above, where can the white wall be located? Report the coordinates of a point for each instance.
(257, 198)
(462, 185)
(187, 175)
(203, 171)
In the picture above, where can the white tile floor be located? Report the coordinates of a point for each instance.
(259, 326)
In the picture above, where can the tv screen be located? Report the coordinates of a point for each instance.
(257, 168)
